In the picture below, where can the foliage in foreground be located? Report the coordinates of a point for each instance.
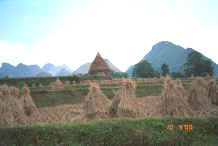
(115, 132)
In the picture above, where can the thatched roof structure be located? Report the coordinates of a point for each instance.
(99, 67)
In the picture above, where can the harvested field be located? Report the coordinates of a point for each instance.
(73, 103)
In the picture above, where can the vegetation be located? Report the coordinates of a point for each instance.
(176, 75)
(114, 132)
(165, 69)
(198, 66)
(119, 74)
(93, 77)
(47, 98)
(144, 70)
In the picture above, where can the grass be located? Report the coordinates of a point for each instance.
(116, 132)
(148, 90)
(49, 98)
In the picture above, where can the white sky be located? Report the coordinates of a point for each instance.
(123, 31)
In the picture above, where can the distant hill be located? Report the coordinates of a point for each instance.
(22, 70)
(173, 55)
(83, 69)
(62, 70)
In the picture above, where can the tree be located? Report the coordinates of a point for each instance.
(165, 69)
(143, 69)
(176, 75)
(119, 74)
(198, 66)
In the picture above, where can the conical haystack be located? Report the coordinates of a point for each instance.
(202, 96)
(124, 102)
(56, 84)
(96, 104)
(212, 91)
(29, 106)
(11, 110)
(16, 108)
(99, 67)
(173, 101)
(198, 95)
(67, 82)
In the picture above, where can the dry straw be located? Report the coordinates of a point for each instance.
(11, 110)
(124, 102)
(16, 108)
(96, 104)
(202, 96)
(56, 84)
(198, 94)
(173, 101)
(212, 91)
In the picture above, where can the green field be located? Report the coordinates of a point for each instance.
(116, 132)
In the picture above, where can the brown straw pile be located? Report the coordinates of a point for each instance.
(56, 84)
(96, 104)
(173, 101)
(16, 108)
(124, 103)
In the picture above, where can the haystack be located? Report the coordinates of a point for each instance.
(96, 104)
(67, 82)
(56, 84)
(40, 85)
(99, 67)
(202, 96)
(212, 91)
(173, 101)
(16, 108)
(198, 95)
(124, 102)
(33, 85)
(11, 109)
(28, 105)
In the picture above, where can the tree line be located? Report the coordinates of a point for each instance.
(196, 65)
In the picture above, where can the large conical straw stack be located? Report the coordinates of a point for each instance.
(202, 96)
(198, 98)
(212, 91)
(124, 102)
(11, 110)
(29, 106)
(173, 101)
(56, 84)
(16, 108)
(96, 104)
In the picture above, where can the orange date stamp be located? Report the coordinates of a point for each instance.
(186, 127)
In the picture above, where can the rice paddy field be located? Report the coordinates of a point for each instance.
(142, 131)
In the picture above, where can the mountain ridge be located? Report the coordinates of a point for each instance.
(173, 55)
(22, 70)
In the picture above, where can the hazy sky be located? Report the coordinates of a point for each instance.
(72, 31)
